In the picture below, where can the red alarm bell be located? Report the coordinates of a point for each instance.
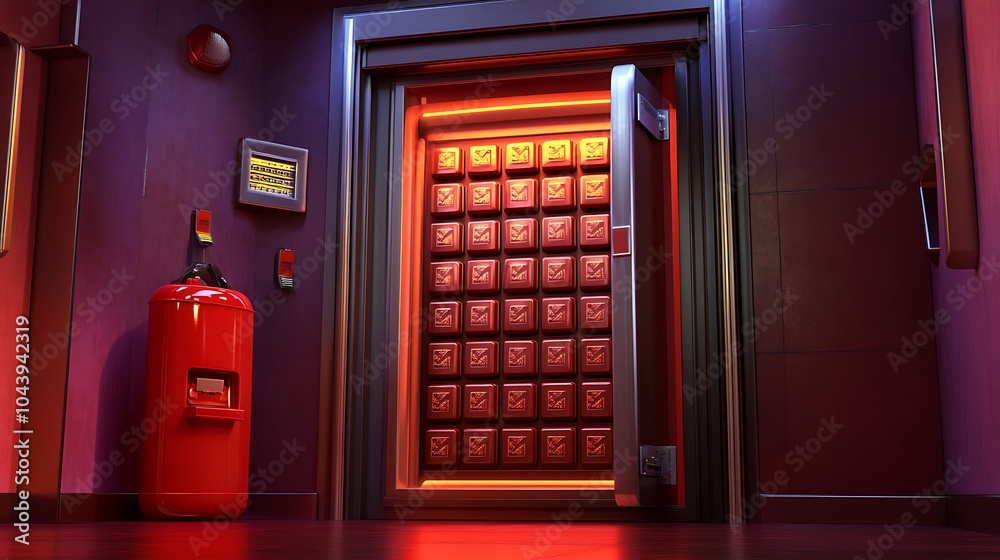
(208, 49)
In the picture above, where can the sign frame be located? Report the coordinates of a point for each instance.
(284, 167)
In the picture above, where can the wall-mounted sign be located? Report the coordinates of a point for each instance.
(273, 175)
(202, 223)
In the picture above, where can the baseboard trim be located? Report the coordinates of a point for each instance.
(979, 513)
(795, 508)
(82, 508)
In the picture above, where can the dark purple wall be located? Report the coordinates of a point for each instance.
(296, 81)
(169, 153)
(296, 62)
(163, 140)
(831, 126)
(970, 300)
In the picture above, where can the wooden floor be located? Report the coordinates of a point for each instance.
(428, 540)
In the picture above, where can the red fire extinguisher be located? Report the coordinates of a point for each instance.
(198, 380)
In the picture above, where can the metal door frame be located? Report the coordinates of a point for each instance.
(373, 39)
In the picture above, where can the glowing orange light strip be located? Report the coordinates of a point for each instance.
(544, 105)
(508, 484)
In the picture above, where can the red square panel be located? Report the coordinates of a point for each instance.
(448, 163)
(481, 358)
(483, 277)
(558, 401)
(557, 155)
(484, 238)
(479, 402)
(558, 447)
(595, 400)
(446, 318)
(443, 359)
(595, 356)
(596, 446)
(520, 158)
(442, 403)
(595, 192)
(484, 161)
(558, 234)
(595, 314)
(558, 274)
(446, 239)
(479, 447)
(482, 317)
(521, 196)
(447, 200)
(558, 315)
(519, 358)
(484, 199)
(441, 447)
(521, 235)
(594, 153)
(558, 194)
(595, 232)
(595, 272)
(520, 275)
(519, 401)
(558, 357)
(517, 447)
(520, 316)
(446, 278)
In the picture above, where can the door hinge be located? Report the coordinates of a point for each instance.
(658, 461)
(655, 121)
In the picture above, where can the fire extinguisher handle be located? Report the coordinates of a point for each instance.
(220, 280)
(194, 270)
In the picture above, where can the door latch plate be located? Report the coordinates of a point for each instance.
(655, 121)
(658, 461)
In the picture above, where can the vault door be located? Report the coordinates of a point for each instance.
(446, 293)
(535, 297)
(645, 319)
